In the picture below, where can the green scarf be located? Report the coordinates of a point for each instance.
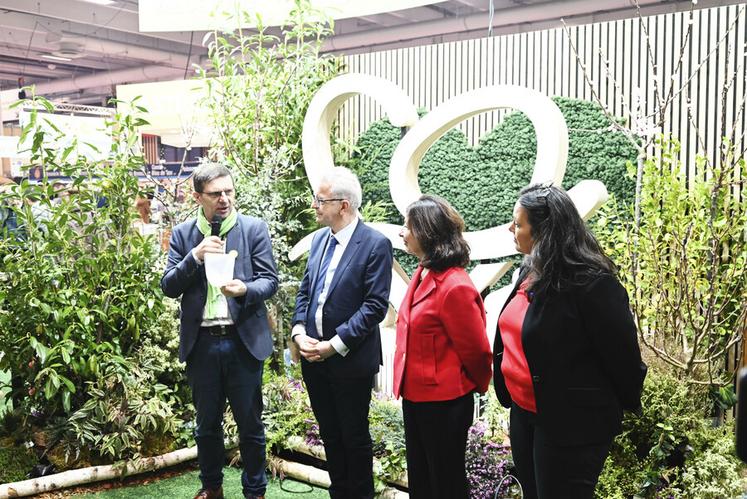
(214, 294)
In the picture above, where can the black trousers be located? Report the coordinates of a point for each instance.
(341, 409)
(436, 440)
(548, 471)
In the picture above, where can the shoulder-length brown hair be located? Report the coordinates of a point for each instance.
(438, 228)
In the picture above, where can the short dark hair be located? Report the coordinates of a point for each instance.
(564, 251)
(207, 173)
(438, 228)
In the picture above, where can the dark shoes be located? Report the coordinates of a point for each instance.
(218, 494)
(210, 493)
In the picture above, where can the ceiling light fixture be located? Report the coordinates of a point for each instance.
(55, 58)
(100, 2)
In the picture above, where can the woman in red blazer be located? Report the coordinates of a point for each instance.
(567, 360)
(443, 354)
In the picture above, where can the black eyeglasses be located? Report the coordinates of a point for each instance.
(320, 201)
(218, 194)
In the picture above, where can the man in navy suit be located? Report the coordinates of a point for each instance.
(343, 297)
(225, 336)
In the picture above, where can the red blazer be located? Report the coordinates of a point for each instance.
(442, 344)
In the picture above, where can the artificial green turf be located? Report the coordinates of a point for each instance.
(186, 486)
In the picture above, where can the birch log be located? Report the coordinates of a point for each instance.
(320, 478)
(94, 474)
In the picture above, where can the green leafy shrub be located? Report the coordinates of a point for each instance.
(287, 410)
(483, 183)
(672, 449)
(159, 348)
(685, 263)
(80, 294)
(388, 434)
(127, 415)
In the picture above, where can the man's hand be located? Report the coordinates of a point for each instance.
(234, 288)
(212, 244)
(307, 347)
(325, 349)
(312, 349)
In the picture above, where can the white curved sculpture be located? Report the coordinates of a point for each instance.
(496, 242)
(552, 151)
(322, 113)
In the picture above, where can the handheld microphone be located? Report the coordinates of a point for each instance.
(215, 225)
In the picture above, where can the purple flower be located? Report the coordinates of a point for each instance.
(312, 434)
(487, 463)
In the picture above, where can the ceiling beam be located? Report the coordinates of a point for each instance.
(33, 56)
(96, 52)
(481, 5)
(133, 75)
(416, 14)
(100, 16)
(516, 19)
(43, 27)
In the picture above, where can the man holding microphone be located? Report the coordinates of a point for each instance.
(224, 336)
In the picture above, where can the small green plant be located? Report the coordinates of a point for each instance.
(672, 449)
(287, 410)
(127, 415)
(388, 434)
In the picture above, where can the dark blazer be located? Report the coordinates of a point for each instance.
(582, 349)
(441, 339)
(357, 300)
(254, 266)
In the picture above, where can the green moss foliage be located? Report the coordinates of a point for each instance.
(15, 461)
(483, 182)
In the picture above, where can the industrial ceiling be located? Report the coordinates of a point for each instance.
(77, 51)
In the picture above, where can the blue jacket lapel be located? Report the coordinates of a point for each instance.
(233, 240)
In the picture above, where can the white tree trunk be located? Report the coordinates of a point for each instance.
(94, 474)
(297, 444)
(320, 478)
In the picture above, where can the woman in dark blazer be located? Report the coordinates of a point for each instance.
(566, 355)
(443, 354)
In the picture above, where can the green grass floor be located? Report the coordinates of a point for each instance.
(185, 486)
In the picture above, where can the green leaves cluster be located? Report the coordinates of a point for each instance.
(128, 414)
(685, 264)
(79, 287)
(483, 182)
(672, 449)
(287, 408)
